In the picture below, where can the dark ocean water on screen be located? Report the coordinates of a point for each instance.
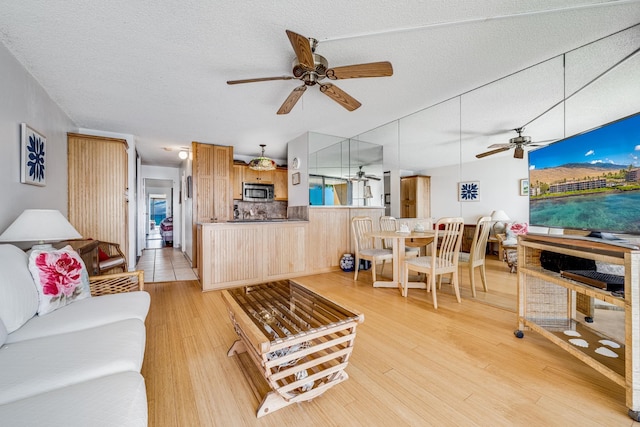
(615, 212)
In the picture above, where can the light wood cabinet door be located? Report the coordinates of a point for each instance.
(97, 187)
(280, 181)
(238, 177)
(212, 170)
(263, 177)
(415, 197)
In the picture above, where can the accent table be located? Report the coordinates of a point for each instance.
(299, 340)
(399, 243)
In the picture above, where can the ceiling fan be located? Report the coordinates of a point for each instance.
(518, 143)
(311, 69)
(362, 176)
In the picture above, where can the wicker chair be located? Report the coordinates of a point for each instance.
(117, 283)
(110, 257)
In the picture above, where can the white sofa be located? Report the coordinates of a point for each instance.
(76, 366)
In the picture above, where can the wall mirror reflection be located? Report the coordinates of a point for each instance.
(345, 172)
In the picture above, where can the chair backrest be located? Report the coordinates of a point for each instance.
(479, 243)
(388, 223)
(448, 234)
(361, 225)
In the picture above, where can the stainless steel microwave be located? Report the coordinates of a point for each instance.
(252, 192)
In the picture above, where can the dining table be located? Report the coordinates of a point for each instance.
(399, 240)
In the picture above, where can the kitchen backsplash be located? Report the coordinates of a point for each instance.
(259, 210)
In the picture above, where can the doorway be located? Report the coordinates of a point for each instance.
(159, 215)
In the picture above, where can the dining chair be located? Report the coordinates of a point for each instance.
(365, 245)
(448, 234)
(476, 256)
(389, 223)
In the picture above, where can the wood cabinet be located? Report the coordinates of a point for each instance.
(415, 196)
(281, 184)
(241, 254)
(97, 173)
(262, 177)
(547, 304)
(238, 175)
(212, 186)
(277, 177)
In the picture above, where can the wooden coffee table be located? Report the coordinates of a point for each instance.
(299, 340)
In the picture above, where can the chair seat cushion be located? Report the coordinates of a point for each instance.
(425, 262)
(377, 252)
(111, 263)
(464, 257)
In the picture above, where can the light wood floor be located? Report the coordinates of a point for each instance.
(412, 365)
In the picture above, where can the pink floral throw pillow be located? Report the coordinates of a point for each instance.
(60, 277)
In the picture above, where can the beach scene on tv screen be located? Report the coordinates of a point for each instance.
(590, 181)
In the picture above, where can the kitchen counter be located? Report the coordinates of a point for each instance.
(250, 221)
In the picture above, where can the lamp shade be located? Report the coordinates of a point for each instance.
(262, 163)
(40, 225)
(499, 216)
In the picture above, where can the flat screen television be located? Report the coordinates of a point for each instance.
(590, 181)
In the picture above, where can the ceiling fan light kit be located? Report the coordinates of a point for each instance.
(311, 68)
(262, 163)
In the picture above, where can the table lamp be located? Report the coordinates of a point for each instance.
(41, 226)
(499, 217)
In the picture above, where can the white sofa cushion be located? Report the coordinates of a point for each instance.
(37, 366)
(60, 277)
(84, 314)
(3, 333)
(18, 294)
(114, 400)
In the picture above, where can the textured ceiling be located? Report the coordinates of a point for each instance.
(158, 70)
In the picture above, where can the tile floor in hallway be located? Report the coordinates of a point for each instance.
(165, 265)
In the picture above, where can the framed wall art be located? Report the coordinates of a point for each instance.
(295, 178)
(469, 191)
(32, 156)
(524, 187)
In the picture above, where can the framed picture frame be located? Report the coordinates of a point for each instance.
(295, 178)
(524, 187)
(469, 191)
(33, 160)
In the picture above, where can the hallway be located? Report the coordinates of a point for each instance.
(164, 264)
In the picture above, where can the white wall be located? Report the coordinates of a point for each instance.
(299, 194)
(499, 179)
(22, 99)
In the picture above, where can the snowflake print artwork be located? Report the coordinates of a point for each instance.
(33, 156)
(469, 191)
(35, 164)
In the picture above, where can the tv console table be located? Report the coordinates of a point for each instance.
(547, 305)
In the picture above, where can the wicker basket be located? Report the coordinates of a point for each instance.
(117, 283)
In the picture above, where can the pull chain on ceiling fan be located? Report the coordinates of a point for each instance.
(311, 68)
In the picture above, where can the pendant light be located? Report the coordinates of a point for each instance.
(262, 163)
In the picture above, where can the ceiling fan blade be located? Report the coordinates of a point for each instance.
(291, 100)
(261, 79)
(507, 145)
(302, 48)
(340, 96)
(372, 69)
(488, 153)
